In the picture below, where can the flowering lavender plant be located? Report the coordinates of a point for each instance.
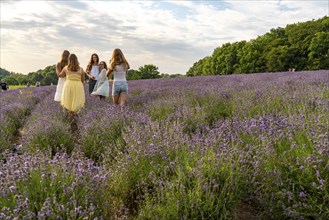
(191, 148)
(15, 106)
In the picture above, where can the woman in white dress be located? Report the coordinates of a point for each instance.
(102, 87)
(61, 80)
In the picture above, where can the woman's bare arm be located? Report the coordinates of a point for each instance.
(62, 73)
(57, 69)
(83, 75)
(108, 72)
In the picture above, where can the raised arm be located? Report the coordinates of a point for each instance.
(108, 72)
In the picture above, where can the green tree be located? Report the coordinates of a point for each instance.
(196, 69)
(177, 75)
(251, 58)
(35, 76)
(4, 72)
(301, 46)
(206, 67)
(149, 71)
(277, 59)
(225, 58)
(300, 36)
(49, 75)
(165, 75)
(47, 80)
(45, 76)
(318, 57)
(132, 74)
(11, 80)
(21, 79)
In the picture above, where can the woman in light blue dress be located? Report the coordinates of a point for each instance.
(102, 87)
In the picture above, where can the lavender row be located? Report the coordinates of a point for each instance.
(268, 131)
(48, 128)
(51, 178)
(42, 186)
(199, 147)
(15, 106)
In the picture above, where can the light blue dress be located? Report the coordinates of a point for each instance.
(102, 86)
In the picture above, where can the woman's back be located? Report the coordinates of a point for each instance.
(73, 97)
(73, 76)
(119, 73)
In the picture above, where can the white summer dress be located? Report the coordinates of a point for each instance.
(59, 89)
(102, 86)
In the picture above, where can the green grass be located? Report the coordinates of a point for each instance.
(17, 86)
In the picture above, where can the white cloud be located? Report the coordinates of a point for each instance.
(169, 34)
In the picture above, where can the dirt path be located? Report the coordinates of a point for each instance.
(247, 212)
(17, 143)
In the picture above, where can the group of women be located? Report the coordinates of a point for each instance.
(71, 77)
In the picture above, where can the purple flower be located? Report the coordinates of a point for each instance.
(12, 188)
(27, 164)
(302, 194)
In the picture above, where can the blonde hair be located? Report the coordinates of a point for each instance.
(64, 60)
(117, 59)
(73, 63)
(91, 61)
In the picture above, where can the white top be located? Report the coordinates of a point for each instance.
(94, 72)
(119, 73)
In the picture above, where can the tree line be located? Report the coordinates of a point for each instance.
(300, 46)
(48, 75)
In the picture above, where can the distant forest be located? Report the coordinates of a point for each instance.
(301, 46)
(48, 75)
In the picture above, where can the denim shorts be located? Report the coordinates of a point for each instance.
(119, 87)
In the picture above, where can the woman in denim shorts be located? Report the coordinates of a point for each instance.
(119, 67)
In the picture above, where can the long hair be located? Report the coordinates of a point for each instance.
(105, 65)
(73, 63)
(91, 61)
(64, 60)
(117, 59)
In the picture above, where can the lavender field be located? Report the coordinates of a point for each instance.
(250, 146)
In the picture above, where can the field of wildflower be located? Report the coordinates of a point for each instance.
(250, 146)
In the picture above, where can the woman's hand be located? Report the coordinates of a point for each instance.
(62, 73)
(89, 75)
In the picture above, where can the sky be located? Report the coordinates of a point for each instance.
(171, 35)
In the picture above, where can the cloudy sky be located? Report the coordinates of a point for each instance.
(169, 34)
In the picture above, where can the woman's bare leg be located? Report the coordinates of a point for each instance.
(115, 99)
(123, 99)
